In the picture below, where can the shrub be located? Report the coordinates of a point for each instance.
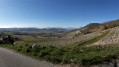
(25, 50)
(55, 59)
(42, 54)
(36, 49)
(18, 49)
(58, 52)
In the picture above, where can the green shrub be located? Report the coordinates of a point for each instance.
(34, 54)
(47, 58)
(36, 49)
(55, 59)
(58, 52)
(42, 53)
(25, 50)
(18, 49)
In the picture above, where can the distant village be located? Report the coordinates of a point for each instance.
(6, 39)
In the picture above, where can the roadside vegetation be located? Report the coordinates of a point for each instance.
(76, 53)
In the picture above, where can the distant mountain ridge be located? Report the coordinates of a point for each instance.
(40, 30)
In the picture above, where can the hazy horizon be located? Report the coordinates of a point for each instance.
(46, 27)
(42, 27)
(51, 27)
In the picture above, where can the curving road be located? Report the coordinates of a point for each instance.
(9, 58)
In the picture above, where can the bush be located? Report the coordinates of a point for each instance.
(47, 58)
(55, 59)
(25, 50)
(42, 54)
(90, 61)
(58, 52)
(36, 49)
(18, 49)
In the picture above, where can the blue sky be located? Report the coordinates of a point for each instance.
(56, 13)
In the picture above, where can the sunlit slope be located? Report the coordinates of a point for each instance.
(92, 27)
(111, 38)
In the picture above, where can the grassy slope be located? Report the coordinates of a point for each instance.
(87, 42)
(78, 54)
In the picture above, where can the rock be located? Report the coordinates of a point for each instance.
(35, 45)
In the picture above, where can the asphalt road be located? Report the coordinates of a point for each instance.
(9, 58)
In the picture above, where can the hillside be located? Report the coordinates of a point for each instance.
(111, 38)
(92, 27)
